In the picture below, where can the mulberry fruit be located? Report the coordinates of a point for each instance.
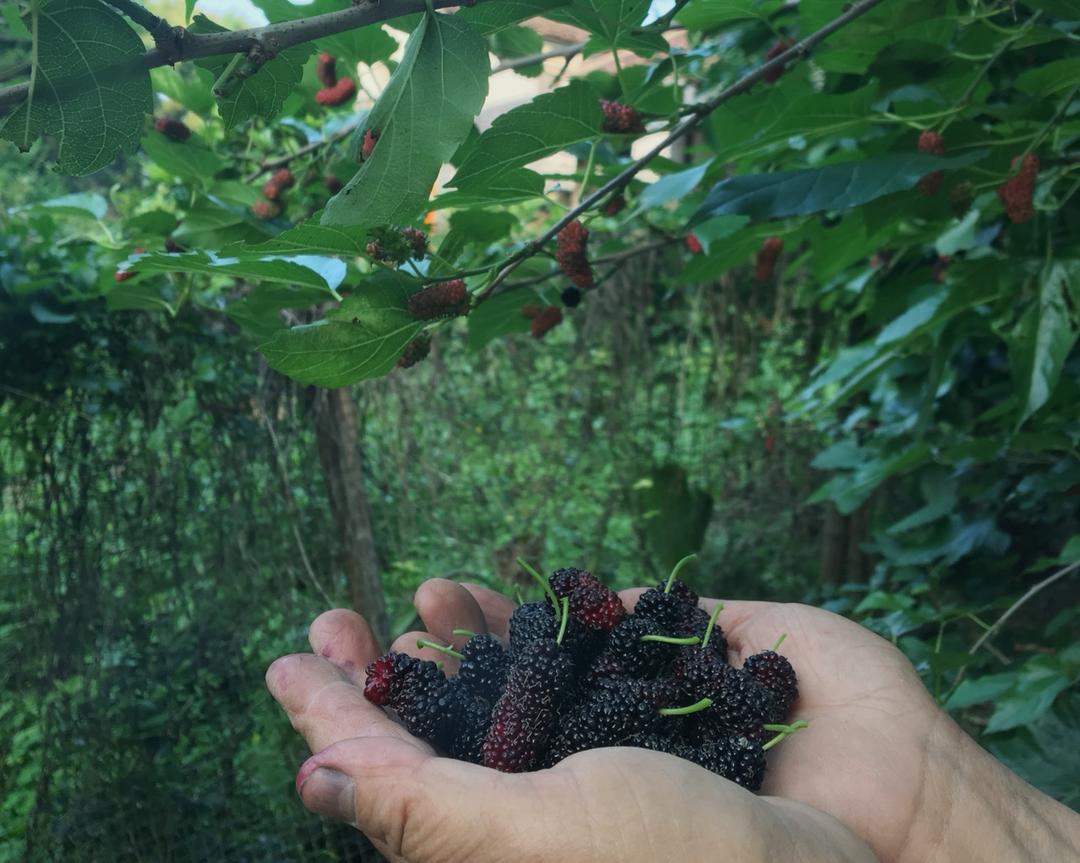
(775, 673)
(693, 244)
(1017, 193)
(531, 622)
(640, 658)
(415, 351)
(596, 607)
(548, 318)
(326, 69)
(484, 667)
(525, 714)
(278, 183)
(123, 275)
(620, 119)
(172, 129)
(765, 263)
(396, 245)
(667, 606)
(367, 143)
(615, 204)
(740, 705)
(571, 254)
(441, 300)
(417, 242)
(571, 297)
(564, 582)
(735, 758)
(339, 94)
(266, 209)
(934, 144)
(775, 50)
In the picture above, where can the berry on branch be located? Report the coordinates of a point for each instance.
(1017, 193)
(775, 50)
(694, 244)
(339, 94)
(441, 300)
(571, 254)
(548, 318)
(278, 183)
(414, 352)
(620, 119)
(326, 69)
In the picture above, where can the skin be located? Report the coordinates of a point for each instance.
(879, 762)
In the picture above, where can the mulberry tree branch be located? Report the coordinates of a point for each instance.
(800, 50)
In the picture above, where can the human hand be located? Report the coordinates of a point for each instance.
(605, 804)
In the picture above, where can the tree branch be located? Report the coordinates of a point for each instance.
(532, 59)
(160, 29)
(798, 51)
(182, 44)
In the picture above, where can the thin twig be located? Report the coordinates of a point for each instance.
(797, 52)
(160, 29)
(533, 59)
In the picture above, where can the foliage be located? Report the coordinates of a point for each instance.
(860, 389)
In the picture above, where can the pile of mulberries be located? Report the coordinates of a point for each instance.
(579, 672)
(1017, 193)
(933, 143)
(571, 254)
(620, 119)
(335, 91)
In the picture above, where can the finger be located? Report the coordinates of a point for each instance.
(323, 704)
(496, 608)
(407, 643)
(444, 606)
(344, 637)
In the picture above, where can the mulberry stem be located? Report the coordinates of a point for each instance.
(449, 651)
(468, 633)
(543, 582)
(696, 707)
(712, 622)
(671, 639)
(675, 572)
(779, 641)
(785, 731)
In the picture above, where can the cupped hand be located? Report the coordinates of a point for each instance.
(616, 804)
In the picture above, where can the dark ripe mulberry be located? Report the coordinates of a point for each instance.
(524, 716)
(640, 658)
(694, 244)
(615, 204)
(1017, 194)
(774, 672)
(417, 242)
(565, 581)
(339, 94)
(620, 119)
(473, 724)
(735, 758)
(612, 712)
(775, 50)
(278, 183)
(572, 256)
(326, 69)
(740, 705)
(667, 608)
(659, 743)
(931, 142)
(765, 263)
(367, 143)
(596, 607)
(415, 352)
(531, 622)
(549, 318)
(172, 128)
(386, 675)
(696, 623)
(485, 666)
(571, 297)
(441, 300)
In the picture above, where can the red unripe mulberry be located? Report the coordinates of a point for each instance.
(278, 183)
(620, 119)
(417, 242)
(615, 205)
(326, 69)
(414, 352)
(693, 244)
(266, 209)
(765, 263)
(123, 275)
(367, 143)
(571, 255)
(1017, 194)
(172, 128)
(545, 321)
(441, 300)
(778, 47)
(934, 144)
(339, 94)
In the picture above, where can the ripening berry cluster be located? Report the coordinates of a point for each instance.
(572, 256)
(441, 300)
(335, 91)
(1017, 193)
(273, 191)
(620, 119)
(396, 245)
(765, 263)
(581, 673)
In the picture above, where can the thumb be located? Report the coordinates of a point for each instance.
(412, 805)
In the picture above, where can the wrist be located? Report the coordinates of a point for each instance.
(974, 808)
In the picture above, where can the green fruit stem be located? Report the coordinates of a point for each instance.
(468, 633)
(785, 731)
(671, 639)
(779, 641)
(675, 572)
(442, 648)
(712, 622)
(544, 583)
(565, 618)
(696, 707)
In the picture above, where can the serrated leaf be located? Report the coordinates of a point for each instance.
(370, 45)
(490, 18)
(1046, 335)
(547, 124)
(612, 23)
(90, 88)
(671, 187)
(362, 340)
(190, 159)
(500, 316)
(423, 114)
(264, 93)
(833, 188)
(312, 238)
(710, 14)
(311, 271)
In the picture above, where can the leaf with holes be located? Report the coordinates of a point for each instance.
(425, 112)
(89, 87)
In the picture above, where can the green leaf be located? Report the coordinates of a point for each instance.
(79, 204)
(612, 22)
(1045, 336)
(980, 690)
(710, 14)
(259, 312)
(90, 88)
(184, 85)
(189, 159)
(423, 114)
(1034, 693)
(850, 490)
(1052, 78)
(547, 124)
(15, 23)
(264, 93)
(362, 340)
(310, 271)
(371, 44)
(489, 18)
(311, 238)
(834, 187)
(671, 187)
(152, 223)
(500, 316)
(516, 184)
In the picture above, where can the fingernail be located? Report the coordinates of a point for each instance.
(329, 792)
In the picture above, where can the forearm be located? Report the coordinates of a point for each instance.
(976, 809)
